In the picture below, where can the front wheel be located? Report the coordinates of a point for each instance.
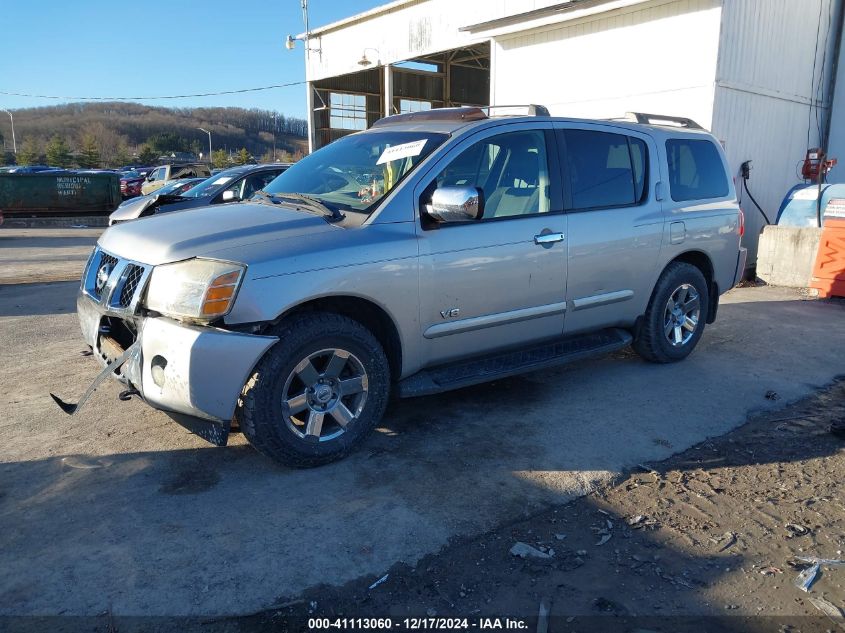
(317, 393)
(675, 317)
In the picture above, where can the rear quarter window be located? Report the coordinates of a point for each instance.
(696, 171)
(605, 169)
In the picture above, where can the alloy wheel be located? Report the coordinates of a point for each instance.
(680, 319)
(324, 394)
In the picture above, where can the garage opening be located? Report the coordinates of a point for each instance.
(349, 103)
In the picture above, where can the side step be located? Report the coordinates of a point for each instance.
(485, 369)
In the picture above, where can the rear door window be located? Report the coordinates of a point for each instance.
(696, 171)
(605, 169)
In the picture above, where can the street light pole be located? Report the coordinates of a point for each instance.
(274, 137)
(14, 142)
(209, 143)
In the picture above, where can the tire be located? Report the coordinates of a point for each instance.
(334, 377)
(666, 336)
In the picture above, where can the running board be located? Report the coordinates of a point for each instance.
(478, 370)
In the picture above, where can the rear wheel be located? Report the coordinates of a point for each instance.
(317, 393)
(674, 320)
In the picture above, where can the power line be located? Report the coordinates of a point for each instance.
(156, 98)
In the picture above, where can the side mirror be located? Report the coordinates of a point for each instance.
(229, 196)
(456, 204)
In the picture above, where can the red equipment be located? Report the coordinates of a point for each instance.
(815, 166)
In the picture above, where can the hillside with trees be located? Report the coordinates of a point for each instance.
(114, 134)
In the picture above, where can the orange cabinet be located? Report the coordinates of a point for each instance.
(829, 270)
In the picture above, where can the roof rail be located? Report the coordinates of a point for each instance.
(533, 109)
(465, 113)
(642, 117)
(437, 114)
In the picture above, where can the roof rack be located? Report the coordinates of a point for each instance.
(532, 109)
(465, 114)
(437, 114)
(642, 117)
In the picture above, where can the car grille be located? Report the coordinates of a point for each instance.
(134, 273)
(114, 283)
(105, 260)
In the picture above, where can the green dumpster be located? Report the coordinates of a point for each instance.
(60, 192)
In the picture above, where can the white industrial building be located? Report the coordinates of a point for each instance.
(757, 73)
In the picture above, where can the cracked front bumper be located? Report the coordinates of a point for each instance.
(184, 369)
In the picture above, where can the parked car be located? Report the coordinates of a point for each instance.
(165, 173)
(32, 169)
(135, 207)
(231, 185)
(433, 251)
(130, 184)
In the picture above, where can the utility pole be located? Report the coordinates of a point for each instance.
(274, 137)
(209, 143)
(14, 142)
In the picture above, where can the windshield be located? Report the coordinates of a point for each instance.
(172, 187)
(209, 186)
(356, 171)
(130, 174)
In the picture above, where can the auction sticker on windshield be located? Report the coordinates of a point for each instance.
(401, 151)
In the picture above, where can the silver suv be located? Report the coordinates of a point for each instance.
(433, 251)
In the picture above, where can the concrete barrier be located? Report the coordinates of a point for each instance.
(786, 255)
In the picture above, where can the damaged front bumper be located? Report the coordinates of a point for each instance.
(193, 373)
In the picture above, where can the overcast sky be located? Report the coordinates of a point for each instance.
(100, 48)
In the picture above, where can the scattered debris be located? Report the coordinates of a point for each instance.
(830, 562)
(379, 581)
(830, 610)
(729, 539)
(604, 539)
(796, 530)
(807, 577)
(524, 550)
(632, 521)
(771, 571)
(772, 395)
(560, 537)
(543, 618)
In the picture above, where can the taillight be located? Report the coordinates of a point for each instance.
(741, 230)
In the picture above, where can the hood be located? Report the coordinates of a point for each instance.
(131, 209)
(200, 232)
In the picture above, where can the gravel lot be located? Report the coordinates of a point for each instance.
(121, 509)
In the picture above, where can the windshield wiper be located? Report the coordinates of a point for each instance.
(262, 196)
(315, 203)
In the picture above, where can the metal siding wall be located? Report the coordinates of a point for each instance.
(428, 26)
(836, 144)
(659, 57)
(762, 107)
(772, 133)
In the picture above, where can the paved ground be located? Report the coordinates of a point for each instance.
(121, 508)
(43, 255)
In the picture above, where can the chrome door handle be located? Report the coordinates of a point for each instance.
(548, 238)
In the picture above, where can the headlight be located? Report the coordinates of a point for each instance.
(196, 289)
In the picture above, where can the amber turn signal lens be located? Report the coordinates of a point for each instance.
(218, 297)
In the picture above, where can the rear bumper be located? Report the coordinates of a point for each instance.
(740, 265)
(190, 370)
